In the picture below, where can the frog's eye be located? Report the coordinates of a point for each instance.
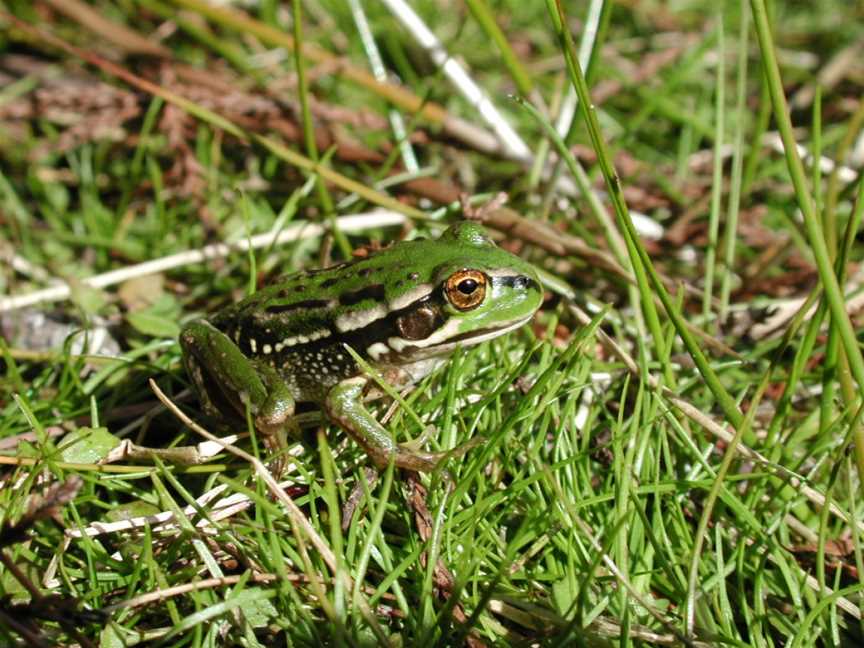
(466, 289)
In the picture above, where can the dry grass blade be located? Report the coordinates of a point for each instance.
(298, 519)
(277, 148)
(118, 35)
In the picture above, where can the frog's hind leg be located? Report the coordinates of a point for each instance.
(226, 379)
(223, 377)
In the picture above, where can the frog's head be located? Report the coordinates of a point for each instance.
(477, 291)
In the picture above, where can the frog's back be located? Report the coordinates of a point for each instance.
(301, 323)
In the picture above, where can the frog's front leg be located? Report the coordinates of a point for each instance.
(344, 405)
(226, 379)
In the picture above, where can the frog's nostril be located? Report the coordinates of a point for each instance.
(525, 283)
(521, 283)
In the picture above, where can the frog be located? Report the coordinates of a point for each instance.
(403, 310)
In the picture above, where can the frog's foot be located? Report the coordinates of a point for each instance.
(275, 421)
(344, 406)
(406, 456)
(274, 416)
(414, 445)
(275, 444)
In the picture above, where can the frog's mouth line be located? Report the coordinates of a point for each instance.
(466, 339)
(481, 335)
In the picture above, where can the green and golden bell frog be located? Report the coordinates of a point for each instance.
(403, 310)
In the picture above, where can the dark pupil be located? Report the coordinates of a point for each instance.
(467, 286)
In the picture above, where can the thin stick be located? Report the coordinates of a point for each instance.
(294, 232)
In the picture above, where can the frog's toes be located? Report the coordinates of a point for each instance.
(429, 461)
(416, 444)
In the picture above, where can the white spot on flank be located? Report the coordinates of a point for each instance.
(253, 345)
(267, 349)
(377, 350)
(358, 319)
(291, 341)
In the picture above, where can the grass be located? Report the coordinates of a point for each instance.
(673, 448)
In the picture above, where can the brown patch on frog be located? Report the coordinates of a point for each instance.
(419, 323)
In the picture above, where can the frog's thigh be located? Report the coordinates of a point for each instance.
(344, 405)
(213, 360)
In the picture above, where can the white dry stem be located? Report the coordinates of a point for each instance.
(772, 140)
(376, 63)
(293, 232)
(460, 78)
(586, 46)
